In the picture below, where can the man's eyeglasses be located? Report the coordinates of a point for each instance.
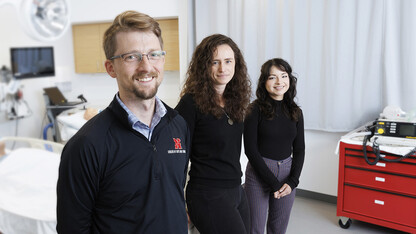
(153, 56)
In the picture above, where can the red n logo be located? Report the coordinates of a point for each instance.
(177, 143)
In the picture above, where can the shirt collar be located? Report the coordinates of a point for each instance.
(160, 111)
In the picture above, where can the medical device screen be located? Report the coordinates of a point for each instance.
(31, 62)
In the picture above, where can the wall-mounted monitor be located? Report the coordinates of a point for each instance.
(32, 62)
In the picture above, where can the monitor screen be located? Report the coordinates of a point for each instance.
(31, 62)
(407, 130)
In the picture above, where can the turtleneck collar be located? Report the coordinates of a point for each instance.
(277, 102)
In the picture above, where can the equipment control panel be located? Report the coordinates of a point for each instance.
(396, 129)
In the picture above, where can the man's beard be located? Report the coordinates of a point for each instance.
(148, 93)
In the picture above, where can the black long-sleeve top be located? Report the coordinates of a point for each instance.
(276, 139)
(215, 147)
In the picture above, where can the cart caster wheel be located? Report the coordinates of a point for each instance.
(346, 224)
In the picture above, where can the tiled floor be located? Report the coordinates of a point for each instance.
(312, 216)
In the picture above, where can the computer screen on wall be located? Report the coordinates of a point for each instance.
(32, 62)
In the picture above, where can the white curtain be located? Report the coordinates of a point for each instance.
(352, 57)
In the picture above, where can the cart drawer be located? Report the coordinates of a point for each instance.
(394, 183)
(385, 206)
(406, 168)
(371, 155)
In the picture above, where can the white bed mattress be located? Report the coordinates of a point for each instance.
(28, 179)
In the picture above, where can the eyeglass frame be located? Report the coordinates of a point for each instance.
(141, 55)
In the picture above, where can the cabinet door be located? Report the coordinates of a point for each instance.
(88, 45)
(170, 35)
(86, 48)
(102, 28)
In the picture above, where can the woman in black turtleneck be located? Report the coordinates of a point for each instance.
(274, 144)
(213, 102)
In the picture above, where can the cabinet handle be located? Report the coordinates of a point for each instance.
(380, 179)
(379, 202)
(379, 164)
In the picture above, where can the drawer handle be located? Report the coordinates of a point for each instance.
(379, 164)
(379, 202)
(380, 179)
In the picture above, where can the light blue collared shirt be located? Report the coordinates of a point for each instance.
(136, 124)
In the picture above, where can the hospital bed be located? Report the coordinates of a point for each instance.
(70, 121)
(28, 176)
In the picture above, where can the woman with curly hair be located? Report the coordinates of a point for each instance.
(213, 101)
(275, 146)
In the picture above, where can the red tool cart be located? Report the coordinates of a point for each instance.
(382, 194)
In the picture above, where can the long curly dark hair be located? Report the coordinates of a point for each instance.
(265, 102)
(200, 84)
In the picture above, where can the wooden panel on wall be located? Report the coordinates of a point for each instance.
(170, 35)
(86, 48)
(103, 28)
(88, 45)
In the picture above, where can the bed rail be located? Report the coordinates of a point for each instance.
(34, 143)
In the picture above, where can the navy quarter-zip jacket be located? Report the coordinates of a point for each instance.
(112, 179)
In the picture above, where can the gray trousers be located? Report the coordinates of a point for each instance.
(262, 203)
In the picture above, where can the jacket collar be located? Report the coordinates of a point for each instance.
(122, 115)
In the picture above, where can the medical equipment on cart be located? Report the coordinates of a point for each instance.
(380, 188)
(56, 103)
(394, 130)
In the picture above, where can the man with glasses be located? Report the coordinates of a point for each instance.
(125, 169)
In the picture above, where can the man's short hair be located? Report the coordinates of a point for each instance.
(129, 21)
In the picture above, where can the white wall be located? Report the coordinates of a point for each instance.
(320, 171)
